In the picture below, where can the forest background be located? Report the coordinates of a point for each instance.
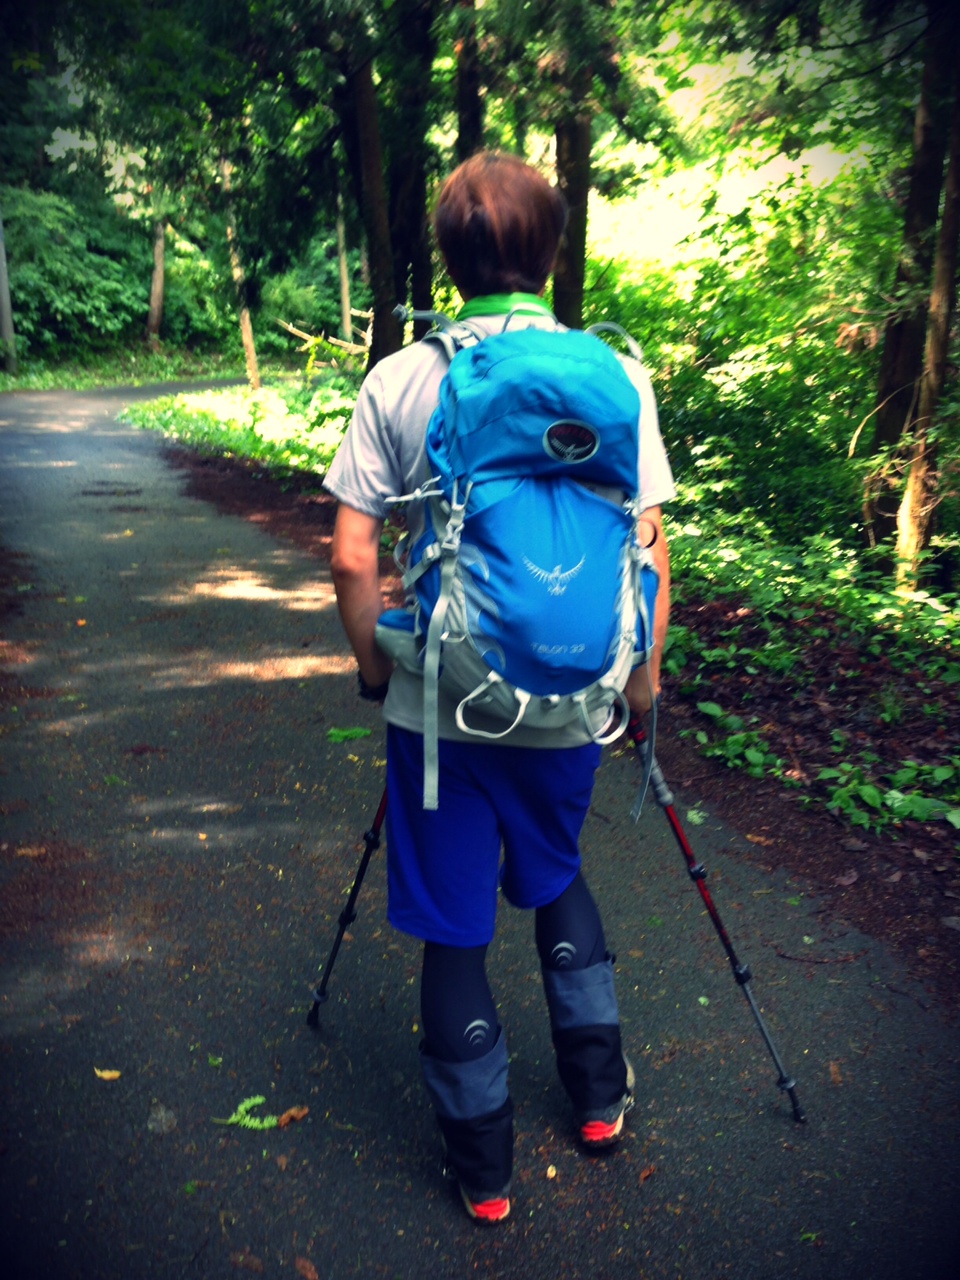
(763, 192)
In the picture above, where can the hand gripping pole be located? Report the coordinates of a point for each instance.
(698, 875)
(371, 841)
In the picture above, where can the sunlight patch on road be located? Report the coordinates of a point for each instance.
(236, 584)
(207, 669)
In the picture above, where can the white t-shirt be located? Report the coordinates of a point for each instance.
(383, 455)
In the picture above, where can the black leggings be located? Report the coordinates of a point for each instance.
(456, 1005)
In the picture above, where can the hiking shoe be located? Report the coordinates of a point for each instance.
(601, 1131)
(486, 1212)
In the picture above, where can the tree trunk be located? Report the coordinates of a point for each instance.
(469, 99)
(346, 320)
(155, 314)
(916, 517)
(240, 280)
(573, 178)
(409, 65)
(387, 336)
(7, 335)
(901, 364)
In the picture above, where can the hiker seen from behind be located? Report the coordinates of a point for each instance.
(531, 470)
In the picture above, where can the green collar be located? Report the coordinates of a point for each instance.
(501, 304)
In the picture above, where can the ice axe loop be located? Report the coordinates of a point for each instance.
(371, 841)
(698, 875)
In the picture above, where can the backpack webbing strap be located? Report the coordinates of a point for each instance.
(523, 701)
(449, 551)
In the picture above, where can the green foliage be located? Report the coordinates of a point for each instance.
(286, 428)
(307, 296)
(79, 277)
(199, 301)
(866, 802)
(134, 366)
(722, 555)
(758, 397)
(736, 744)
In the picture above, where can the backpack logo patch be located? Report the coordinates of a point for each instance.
(571, 441)
(555, 578)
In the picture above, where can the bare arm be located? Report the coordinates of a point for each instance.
(639, 685)
(355, 564)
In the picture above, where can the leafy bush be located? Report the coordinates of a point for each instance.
(286, 428)
(199, 312)
(79, 278)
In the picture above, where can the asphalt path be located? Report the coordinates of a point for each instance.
(180, 828)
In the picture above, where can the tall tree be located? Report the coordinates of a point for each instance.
(364, 117)
(406, 93)
(901, 364)
(916, 515)
(8, 339)
(468, 81)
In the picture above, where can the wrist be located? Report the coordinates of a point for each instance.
(371, 692)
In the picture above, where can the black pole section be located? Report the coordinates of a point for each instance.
(348, 914)
(698, 875)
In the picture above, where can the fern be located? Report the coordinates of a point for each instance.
(244, 1120)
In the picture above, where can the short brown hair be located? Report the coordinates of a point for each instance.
(498, 224)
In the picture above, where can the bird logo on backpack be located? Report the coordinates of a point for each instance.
(529, 597)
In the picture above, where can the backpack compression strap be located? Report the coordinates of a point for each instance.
(449, 550)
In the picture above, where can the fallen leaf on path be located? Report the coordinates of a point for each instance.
(895, 878)
(107, 1075)
(305, 1268)
(764, 840)
(835, 1076)
(247, 1262)
(347, 735)
(648, 1172)
(31, 851)
(161, 1119)
(291, 1114)
(847, 879)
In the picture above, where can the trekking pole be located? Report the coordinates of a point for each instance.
(698, 875)
(371, 840)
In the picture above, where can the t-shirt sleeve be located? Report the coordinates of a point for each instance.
(656, 484)
(366, 470)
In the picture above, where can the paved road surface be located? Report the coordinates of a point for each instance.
(178, 834)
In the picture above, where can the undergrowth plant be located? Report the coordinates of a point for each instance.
(286, 428)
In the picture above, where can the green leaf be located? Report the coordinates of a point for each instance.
(347, 735)
(244, 1120)
(871, 795)
(710, 709)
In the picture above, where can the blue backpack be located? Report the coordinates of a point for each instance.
(529, 597)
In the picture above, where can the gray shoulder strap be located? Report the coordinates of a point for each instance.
(453, 335)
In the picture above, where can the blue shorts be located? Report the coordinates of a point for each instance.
(444, 865)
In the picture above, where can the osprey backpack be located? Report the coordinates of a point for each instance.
(529, 597)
